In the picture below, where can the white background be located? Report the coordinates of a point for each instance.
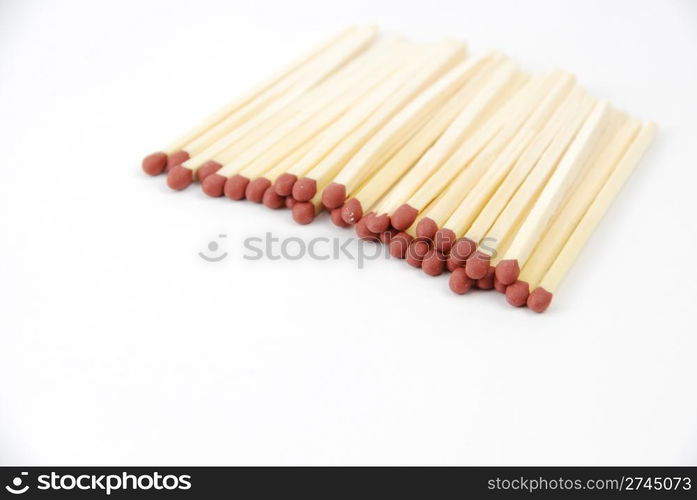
(119, 345)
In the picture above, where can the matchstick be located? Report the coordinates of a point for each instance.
(286, 181)
(346, 124)
(304, 212)
(456, 174)
(478, 263)
(320, 123)
(552, 195)
(311, 120)
(488, 91)
(611, 147)
(533, 137)
(328, 71)
(409, 155)
(270, 198)
(520, 203)
(389, 137)
(470, 206)
(542, 295)
(447, 196)
(156, 163)
(446, 55)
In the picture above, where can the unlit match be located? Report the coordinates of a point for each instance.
(461, 164)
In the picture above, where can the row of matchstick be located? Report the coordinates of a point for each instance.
(459, 163)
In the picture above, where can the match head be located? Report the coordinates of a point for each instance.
(235, 187)
(404, 217)
(255, 190)
(338, 218)
(433, 262)
(304, 189)
(386, 236)
(426, 228)
(176, 158)
(303, 212)
(487, 282)
(416, 252)
(155, 164)
(498, 286)
(208, 168)
(290, 202)
(214, 185)
(179, 177)
(539, 299)
(452, 264)
(459, 282)
(378, 223)
(284, 184)
(271, 199)
(507, 271)
(444, 240)
(334, 195)
(478, 265)
(399, 244)
(517, 293)
(462, 249)
(363, 232)
(351, 212)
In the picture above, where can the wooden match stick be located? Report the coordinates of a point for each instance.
(488, 140)
(520, 203)
(304, 212)
(333, 121)
(612, 146)
(444, 57)
(315, 116)
(472, 203)
(390, 49)
(269, 196)
(478, 263)
(552, 195)
(346, 124)
(388, 138)
(460, 172)
(155, 163)
(489, 92)
(342, 58)
(258, 96)
(373, 189)
(541, 297)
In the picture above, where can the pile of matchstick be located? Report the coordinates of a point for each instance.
(459, 163)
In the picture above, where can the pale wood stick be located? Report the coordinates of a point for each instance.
(523, 166)
(616, 141)
(553, 194)
(521, 202)
(466, 122)
(488, 141)
(461, 171)
(481, 192)
(402, 161)
(287, 163)
(326, 77)
(389, 136)
(407, 62)
(449, 55)
(369, 90)
(316, 72)
(255, 92)
(540, 298)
